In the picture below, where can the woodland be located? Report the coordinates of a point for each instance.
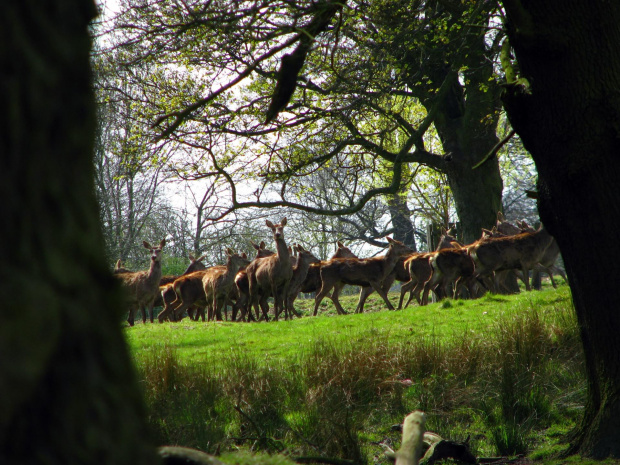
(363, 116)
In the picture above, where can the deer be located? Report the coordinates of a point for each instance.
(520, 251)
(418, 268)
(547, 261)
(271, 275)
(300, 272)
(141, 287)
(242, 287)
(166, 293)
(312, 283)
(217, 283)
(119, 268)
(360, 272)
(447, 266)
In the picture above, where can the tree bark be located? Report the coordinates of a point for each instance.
(467, 128)
(568, 116)
(69, 393)
(401, 220)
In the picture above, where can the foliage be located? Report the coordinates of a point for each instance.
(373, 84)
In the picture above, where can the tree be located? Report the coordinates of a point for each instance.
(562, 99)
(69, 392)
(378, 76)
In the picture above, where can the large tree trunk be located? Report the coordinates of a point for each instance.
(569, 120)
(69, 394)
(467, 128)
(401, 220)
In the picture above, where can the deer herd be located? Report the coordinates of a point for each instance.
(453, 270)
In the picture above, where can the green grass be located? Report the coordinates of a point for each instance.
(279, 341)
(505, 370)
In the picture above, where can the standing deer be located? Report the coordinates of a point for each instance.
(141, 287)
(300, 272)
(312, 283)
(242, 287)
(360, 272)
(418, 268)
(166, 292)
(217, 283)
(448, 266)
(521, 251)
(547, 261)
(271, 275)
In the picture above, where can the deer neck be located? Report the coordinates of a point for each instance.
(155, 271)
(301, 270)
(389, 261)
(282, 252)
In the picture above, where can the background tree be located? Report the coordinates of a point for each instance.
(563, 100)
(354, 107)
(69, 392)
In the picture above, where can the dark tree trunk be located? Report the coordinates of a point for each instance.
(69, 393)
(401, 221)
(569, 120)
(467, 128)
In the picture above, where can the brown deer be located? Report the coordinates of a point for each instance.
(271, 275)
(242, 288)
(119, 268)
(547, 261)
(521, 251)
(188, 291)
(449, 266)
(141, 287)
(166, 293)
(300, 272)
(312, 283)
(418, 268)
(217, 283)
(360, 272)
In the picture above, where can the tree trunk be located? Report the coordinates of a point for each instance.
(467, 131)
(569, 120)
(69, 393)
(401, 220)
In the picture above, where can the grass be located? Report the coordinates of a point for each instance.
(504, 370)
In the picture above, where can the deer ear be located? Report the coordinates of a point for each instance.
(229, 252)
(283, 222)
(340, 244)
(146, 245)
(390, 240)
(500, 217)
(191, 257)
(262, 244)
(162, 243)
(244, 255)
(269, 224)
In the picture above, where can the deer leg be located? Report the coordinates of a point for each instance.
(407, 287)
(364, 294)
(130, 317)
(526, 278)
(335, 297)
(319, 298)
(379, 288)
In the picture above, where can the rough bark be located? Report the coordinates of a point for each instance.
(569, 120)
(69, 394)
(467, 131)
(401, 221)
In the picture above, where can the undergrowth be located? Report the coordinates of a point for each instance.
(504, 386)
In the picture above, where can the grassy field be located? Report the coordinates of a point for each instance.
(504, 370)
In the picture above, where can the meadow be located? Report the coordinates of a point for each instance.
(505, 372)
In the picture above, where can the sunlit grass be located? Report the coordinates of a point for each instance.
(501, 369)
